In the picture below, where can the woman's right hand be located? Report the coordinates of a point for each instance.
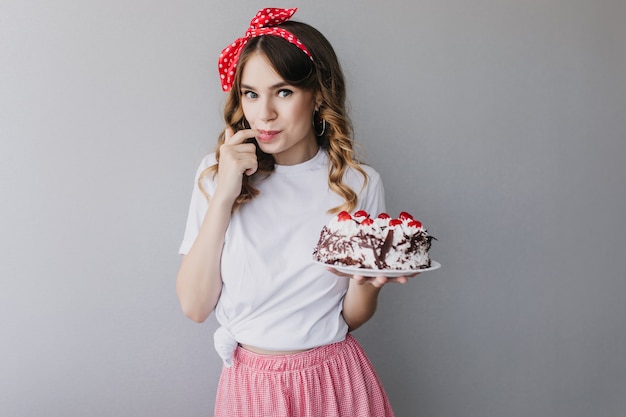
(237, 158)
(199, 280)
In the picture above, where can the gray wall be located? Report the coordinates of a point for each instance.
(499, 123)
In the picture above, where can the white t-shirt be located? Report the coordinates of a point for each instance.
(274, 296)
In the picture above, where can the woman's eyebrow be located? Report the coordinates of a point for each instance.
(273, 87)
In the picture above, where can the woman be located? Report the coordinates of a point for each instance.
(284, 164)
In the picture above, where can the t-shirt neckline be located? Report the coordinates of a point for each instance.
(318, 159)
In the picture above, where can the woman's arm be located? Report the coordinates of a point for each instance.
(199, 281)
(359, 303)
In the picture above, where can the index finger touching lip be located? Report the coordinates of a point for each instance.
(231, 138)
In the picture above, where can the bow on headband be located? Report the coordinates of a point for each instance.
(264, 23)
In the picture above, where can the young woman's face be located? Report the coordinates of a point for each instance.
(283, 114)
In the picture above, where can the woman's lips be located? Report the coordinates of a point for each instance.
(267, 135)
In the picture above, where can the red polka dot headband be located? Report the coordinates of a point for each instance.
(264, 23)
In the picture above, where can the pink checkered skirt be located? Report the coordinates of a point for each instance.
(336, 380)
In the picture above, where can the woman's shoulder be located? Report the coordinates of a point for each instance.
(208, 161)
(208, 181)
(353, 175)
(369, 170)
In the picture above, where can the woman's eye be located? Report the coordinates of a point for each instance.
(250, 94)
(284, 93)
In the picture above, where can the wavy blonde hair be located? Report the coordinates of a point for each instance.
(325, 78)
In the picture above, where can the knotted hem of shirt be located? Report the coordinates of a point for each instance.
(225, 345)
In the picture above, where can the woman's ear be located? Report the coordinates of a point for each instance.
(318, 101)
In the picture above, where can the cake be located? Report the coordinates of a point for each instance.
(383, 243)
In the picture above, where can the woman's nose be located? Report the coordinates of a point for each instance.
(267, 111)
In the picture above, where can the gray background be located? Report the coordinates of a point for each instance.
(499, 123)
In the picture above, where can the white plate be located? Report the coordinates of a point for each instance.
(380, 272)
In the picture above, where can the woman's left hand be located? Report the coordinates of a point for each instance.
(377, 282)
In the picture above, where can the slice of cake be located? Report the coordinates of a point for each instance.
(357, 240)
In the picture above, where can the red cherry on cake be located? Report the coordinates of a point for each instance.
(343, 216)
(395, 222)
(405, 216)
(361, 213)
(415, 223)
(367, 222)
(384, 216)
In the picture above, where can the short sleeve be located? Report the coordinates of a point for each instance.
(198, 205)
